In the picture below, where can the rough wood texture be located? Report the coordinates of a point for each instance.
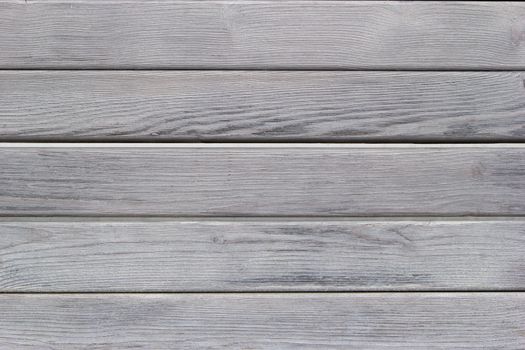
(266, 180)
(168, 256)
(247, 105)
(493, 321)
(261, 34)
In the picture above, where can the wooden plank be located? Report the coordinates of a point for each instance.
(248, 105)
(260, 180)
(292, 255)
(262, 34)
(264, 321)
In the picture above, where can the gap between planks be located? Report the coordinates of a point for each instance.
(273, 69)
(247, 141)
(253, 145)
(261, 217)
(422, 292)
(247, 219)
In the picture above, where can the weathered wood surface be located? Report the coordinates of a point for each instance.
(259, 180)
(173, 256)
(261, 34)
(492, 321)
(214, 105)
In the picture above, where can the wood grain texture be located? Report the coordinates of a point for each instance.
(226, 256)
(493, 321)
(262, 34)
(251, 180)
(248, 105)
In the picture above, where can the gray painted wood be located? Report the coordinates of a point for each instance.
(261, 34)
(259, 180)
(275, 255)
(212, 105)
(493, 321)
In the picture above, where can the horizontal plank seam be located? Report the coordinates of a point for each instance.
(262, 69)
(339, 292)
(29, 2)
(242, 141)
(267, 219)
(336, 217)
(274, 145)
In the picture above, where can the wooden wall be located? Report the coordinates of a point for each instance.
(268, 174)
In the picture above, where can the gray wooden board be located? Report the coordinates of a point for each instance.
(492, 321)
(261, 34)
(46, 255)
(248, 105)
(260, 180)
